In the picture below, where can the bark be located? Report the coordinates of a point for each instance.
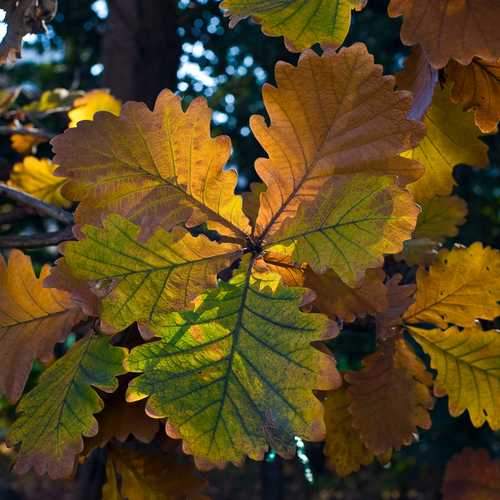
(141, 49)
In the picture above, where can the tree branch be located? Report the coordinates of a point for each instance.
(36, 132)
(36, 240)
(38, 205)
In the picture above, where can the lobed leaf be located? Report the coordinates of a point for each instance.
(450, 29)
(390, 397)
(348, 227)
(139, 280)
(157, 168)
(32, 320)
(53, 417)
(460, 287)
(86, 106)
(303, 24)
(331, 116)
(237, 374)
(468, 370)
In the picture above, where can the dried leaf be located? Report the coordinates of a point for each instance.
(139, 280)
(477, 87)
(332, 115)
(303, 24)
(468, 370)
(348, 227)
(237, 374)
(460, 287)
(344, 449)
(36, 177)
(390, 397)
(157, 168)
(53, 417)
(452, 138)
(450, 29)
(86, 106)
(472, 475)
(32, 320)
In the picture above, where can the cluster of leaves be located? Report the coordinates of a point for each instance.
(217, 309)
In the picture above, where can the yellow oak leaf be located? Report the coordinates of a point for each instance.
(477, 87)
(149, 475)
(468, 370)
(25, 143)
(86, 106)
(448, 29)
(237, 374)
(303, 24)
(452, 138)
(349, 226)
(472, 475)
(55, 415)
(344, 450)
(157, 168)
(460, 287)
(32, 320)
(138, 280)
(36, 177)
(330, 116)
(390, 397)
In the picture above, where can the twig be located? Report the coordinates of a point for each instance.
(38, 205)
(36, 240)
(36, 132)
(17, 213)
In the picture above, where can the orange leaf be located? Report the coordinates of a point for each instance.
(477, 87)
(472, 475)
(446, 29)
(390, 397)
(32, 320)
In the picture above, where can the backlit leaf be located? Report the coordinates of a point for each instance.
(452, 138)
(472, 475)
(25, 143)
(390, 397)
(348, 227)
(344, 449)
(52, 101)
(36, 177)
(237, 374)
(447, 29)
(86, 106)
(477, 87)
(157, 168)
(138, 280)
(53, 417)
(461, 286)
(303, 24)
(468, 370)
(332, 115)
(32, 320)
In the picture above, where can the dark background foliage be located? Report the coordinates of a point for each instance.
(137, 47)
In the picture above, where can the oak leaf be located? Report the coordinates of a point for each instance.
(344, 449)
(303, 24)
(477, 87)
(53, 417)
(460, 287)
(452, 138)
(145, 475)
(237, 374)
(472, 475)
(157, 168)
(52, 101)
(32, 320)
(137, 280)
(468, 370)
(330, 116)
(349, 226)
(450, 29)
(25, 143)
(390, 397)
(36, 177)
(86, 106)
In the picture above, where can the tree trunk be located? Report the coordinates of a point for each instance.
(141, 49)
